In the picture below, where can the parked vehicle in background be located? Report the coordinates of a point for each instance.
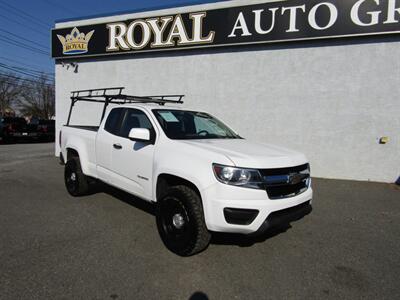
(15, 129)
(46, 130)
(201, 175)
(1, 128)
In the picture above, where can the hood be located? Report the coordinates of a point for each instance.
(246, 154)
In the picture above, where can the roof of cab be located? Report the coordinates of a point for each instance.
(151, 106)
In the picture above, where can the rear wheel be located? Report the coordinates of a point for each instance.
(75, 181)
(180, 221)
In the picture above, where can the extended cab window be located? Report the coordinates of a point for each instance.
(134, 118)
(113, 121)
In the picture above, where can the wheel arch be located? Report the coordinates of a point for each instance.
(166, 180)
(71, 153)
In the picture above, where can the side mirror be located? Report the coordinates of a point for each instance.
(139, 135)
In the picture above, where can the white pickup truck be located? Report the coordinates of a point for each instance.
(202, 176)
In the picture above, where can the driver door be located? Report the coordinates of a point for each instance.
(133, 161)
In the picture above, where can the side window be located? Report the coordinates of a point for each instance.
(113, 121)
(134, 118)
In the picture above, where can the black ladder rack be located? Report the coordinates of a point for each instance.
(115, 95)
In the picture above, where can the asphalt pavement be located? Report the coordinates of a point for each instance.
(106, 246)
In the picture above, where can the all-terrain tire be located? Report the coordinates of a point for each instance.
(76, 182)
(180, 221)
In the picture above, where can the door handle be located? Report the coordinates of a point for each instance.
(117, 146)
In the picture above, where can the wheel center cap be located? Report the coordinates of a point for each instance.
(178, 221)
(73, 176)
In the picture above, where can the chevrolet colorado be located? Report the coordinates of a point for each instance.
(202, 176)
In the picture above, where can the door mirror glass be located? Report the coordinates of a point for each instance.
(139, 135)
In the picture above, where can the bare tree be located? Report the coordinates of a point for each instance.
(38, 99)
(10, 89)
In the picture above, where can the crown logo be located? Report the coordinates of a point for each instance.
(76, 42)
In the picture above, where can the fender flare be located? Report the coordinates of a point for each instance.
(82, 157)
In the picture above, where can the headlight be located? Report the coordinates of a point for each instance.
(307, 172)
(249, 178)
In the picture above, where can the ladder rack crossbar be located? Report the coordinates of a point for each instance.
(103, 92)
(114, 95)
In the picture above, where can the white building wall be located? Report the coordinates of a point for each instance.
(331, 100)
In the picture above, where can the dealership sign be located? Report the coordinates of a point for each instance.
(271, 22)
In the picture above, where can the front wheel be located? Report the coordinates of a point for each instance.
(75, 181)
(180, 221)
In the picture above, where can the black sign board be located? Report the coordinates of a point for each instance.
(270, 22)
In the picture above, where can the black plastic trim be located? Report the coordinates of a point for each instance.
(285, 216)
(62, 160)
(239, 216)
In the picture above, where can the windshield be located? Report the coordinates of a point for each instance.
(189, 125)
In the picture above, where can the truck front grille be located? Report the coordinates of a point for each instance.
(286, 182)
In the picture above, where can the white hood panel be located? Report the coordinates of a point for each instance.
(248, 154)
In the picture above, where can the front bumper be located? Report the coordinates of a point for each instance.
(285, 216)
(219, 197)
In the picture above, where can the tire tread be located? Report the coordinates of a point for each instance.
(193, 202)
(83, 184)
